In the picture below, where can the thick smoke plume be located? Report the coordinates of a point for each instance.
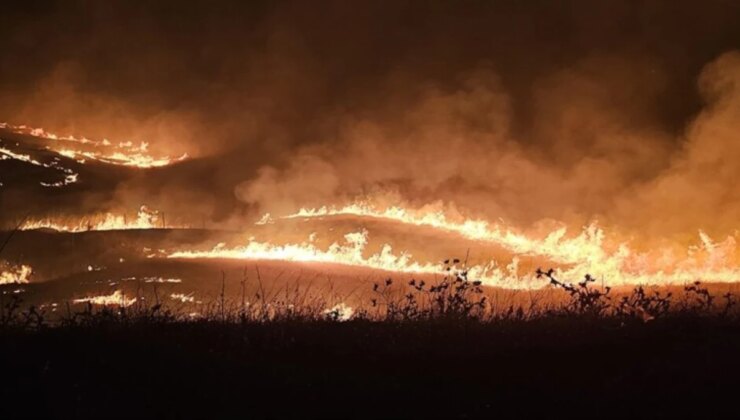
(625, 112)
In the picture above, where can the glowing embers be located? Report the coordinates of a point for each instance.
(69, 179)
(117, 298)
(182, 297)
(15, 274)
(83, 149)
(145, 219)
(161, 280)
(340, 312)
(131, 157)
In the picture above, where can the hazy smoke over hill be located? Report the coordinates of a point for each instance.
(628, 112)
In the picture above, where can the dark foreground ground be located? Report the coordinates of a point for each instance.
(544, 368)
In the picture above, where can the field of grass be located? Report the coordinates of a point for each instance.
(415, 351)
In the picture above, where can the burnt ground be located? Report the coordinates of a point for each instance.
(551, 367)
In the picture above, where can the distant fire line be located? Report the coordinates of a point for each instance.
(145, 219)
(123, 153)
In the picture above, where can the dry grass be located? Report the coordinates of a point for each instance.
(454, 297)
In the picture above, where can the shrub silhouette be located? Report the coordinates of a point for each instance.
(454, 297)
(584, 299)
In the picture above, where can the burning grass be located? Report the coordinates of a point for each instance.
(15, 274)
(591, 251)
(145, 218)
(82, 149)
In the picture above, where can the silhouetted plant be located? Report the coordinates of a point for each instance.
(698, 298)
(729, 303)
(455, 297)
(584, 300)
(9, 311)
(643, 305)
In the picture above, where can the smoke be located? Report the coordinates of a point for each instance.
(595, 151)
(699, 188)
(528, 111)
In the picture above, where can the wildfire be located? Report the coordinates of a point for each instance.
(161, 280)
(132, 157)
(70, 177)
(589, 252)
(117, 298)
(587, 245)
(586, 253)
(182, 297)
(145, 219)
(16, 275)
(340, 312)
(122, 153)
(347, 254)
(352, 254)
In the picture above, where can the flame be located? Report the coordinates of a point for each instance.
(348, 254)
(130, 158)
(589, 252)
(122, 153)
(352, 254)
(586, 253)
(588, 244)
(70, 177)
(340, 312)
(116, 298)
(145, 219)
(182, 297)
(20, 274)
(161, 280)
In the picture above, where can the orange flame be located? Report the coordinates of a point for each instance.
(145, 219)
(182, 297)
(340, 312)
(70, 176)
(123, 153)
(20, 274)
(352, 254)
(117, 298)
(584, 254)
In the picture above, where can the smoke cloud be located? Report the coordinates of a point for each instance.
(625, 112)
